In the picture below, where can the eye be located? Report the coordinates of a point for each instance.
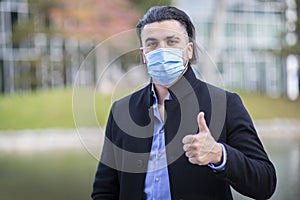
(151, 44)
(172, 42)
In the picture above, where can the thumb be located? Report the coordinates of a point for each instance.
(202, 123)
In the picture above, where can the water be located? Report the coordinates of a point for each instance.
(285, 154)
(57, 174)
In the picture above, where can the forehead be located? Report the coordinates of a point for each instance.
(163, 29)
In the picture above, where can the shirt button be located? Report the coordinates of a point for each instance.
(156, 179)
(139, 163)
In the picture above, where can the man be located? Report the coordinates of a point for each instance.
(179, 137)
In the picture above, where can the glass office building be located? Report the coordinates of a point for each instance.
(41, 60)
(241, 37)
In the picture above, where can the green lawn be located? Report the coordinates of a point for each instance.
(45, 109)
(53, 109)
(261, 106)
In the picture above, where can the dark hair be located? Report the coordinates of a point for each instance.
(162, 13)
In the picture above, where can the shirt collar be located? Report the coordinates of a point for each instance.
(154, 95)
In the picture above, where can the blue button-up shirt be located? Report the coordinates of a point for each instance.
(157, 185)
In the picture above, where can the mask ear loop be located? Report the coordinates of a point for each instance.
(143, 54)
(188, 60)
(144, 60)
(186, 65)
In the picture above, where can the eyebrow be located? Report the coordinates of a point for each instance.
(167, 38)
(150, 39)
(173, 37)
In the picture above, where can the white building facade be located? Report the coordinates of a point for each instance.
(242, 38)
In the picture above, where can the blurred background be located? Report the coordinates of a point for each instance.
(51, 49)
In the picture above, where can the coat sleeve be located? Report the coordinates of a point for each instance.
(106, 183)
(248, 168)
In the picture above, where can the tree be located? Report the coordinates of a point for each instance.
(144, 5)
(94, 19)
(24, 33)
(89, 20)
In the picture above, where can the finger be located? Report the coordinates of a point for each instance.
(186, 147)
(188, 139)
(194, 160)
(199, 160)
(191, 154)
(190, 147)
(202, 123)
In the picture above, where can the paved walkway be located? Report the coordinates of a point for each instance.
(92, 139)
(278, 128)
(51, 139)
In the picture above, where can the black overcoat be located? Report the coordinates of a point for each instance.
(122, 168)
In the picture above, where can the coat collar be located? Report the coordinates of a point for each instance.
(185, 85)
(181, 88)
(140, 102)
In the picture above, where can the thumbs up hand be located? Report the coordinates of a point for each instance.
(202, 148)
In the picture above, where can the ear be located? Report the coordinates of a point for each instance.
(190, 50)
(142, 55)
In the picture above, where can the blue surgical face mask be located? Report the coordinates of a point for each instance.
(165, 65)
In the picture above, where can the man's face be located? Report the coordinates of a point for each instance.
(166, 34)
